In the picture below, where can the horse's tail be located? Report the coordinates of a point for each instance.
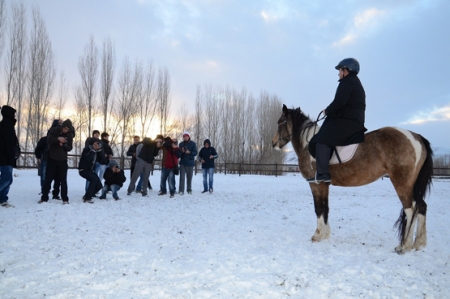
(421, 186)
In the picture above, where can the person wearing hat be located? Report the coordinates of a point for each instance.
(114, 179)
(344, 122)
(86, 166)
(60, 141)
(207, 156)
(145, 153)
(187, 162)
(9, 152)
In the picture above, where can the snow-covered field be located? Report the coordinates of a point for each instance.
(250, 239)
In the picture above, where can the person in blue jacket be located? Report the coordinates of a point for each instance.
(207, 156)
(187, 162)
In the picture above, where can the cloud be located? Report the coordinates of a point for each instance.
(278, 10)
(362, 23)
(433, 115)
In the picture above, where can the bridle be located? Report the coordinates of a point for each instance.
(311, 124)
(287, 137)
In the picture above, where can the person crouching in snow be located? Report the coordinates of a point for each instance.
(114, 179)
(86, 168)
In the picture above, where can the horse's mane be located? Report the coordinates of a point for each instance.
(302, 126)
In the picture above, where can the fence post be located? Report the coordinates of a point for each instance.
(240, 166)
(276, 169)
(225, 168)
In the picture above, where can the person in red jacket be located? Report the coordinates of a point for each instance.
(173, 153)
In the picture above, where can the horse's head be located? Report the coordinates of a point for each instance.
(284, 132)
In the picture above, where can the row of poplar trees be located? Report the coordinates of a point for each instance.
(126, 100)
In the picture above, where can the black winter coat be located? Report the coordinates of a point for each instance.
(148, 150)
(205, 154)
(106, 151)
(41, 149)
(131, 153)
(88, 159)
(112, 178)
(344, 123)
(57, 151)
(8, 138)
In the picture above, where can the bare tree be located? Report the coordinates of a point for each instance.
(163, 98)
(16, 61)
(81, 120)
(267, 116)
(41, 75)
(126, 100)
(107, 77)
(2, 24)
(147, 105)
(197, 126)
(88, 68)
(62, 94)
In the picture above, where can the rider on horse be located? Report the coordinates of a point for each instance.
(344, 122)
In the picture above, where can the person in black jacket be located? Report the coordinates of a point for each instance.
(60, 141)
(41, 153)
(86, 168)
(9, 152)
(105, 156)
(344, 122)
(114, 179)
(145, 152)
(207, 156)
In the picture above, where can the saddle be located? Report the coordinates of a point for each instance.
(343, 154)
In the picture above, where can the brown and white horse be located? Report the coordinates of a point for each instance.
(404, 156)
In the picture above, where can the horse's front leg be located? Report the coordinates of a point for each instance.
(320, 194)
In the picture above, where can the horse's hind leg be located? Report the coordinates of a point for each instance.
(421, 233)
(406, 231)
(320, 194)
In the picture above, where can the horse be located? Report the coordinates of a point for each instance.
(406, 157)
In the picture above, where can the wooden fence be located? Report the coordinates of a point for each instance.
(28, 160)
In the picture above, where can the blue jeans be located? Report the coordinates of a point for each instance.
(42, 167)
(139, 184)
(206, 172)
(162, 185)
(6, 179)
(167, 174)
(113, 188)
(100, 170)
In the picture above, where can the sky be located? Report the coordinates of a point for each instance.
(286, 48)
(252, 240)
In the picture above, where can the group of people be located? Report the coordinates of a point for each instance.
(96, 164)
(343, 125)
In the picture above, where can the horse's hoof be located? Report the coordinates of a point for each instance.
(316, 238)
(401, 249)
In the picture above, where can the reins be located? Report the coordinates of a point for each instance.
(310, 124)
(314, 123)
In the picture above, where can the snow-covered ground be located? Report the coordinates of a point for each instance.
(250, 239)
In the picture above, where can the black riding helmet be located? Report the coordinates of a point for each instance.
(349, 63)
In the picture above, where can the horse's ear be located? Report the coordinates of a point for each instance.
(285, 109)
